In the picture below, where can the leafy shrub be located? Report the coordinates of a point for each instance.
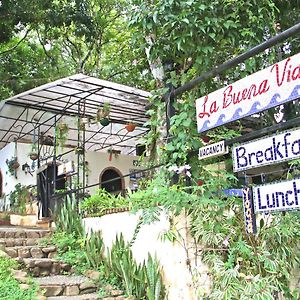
(246, 266)
(67, 218)
(10, 287)
(142, 281)
(19, 197)
(101, 201)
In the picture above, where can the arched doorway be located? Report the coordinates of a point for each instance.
(114, 186)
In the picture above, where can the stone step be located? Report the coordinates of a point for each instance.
(44, 266)
(13, 242)
(63, 285)
(9, 232)
(34, 251)
(93, 296)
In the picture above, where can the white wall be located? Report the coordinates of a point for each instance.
(172, 256)
(9, 181)
(97, 161)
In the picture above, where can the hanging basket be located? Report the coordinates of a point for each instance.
(79, 150)
(33, 155)
(130, 127)
(104, 122)
(15, 165)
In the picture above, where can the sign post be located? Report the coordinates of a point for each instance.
(250, 219)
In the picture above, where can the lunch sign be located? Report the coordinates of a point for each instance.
(273, 86)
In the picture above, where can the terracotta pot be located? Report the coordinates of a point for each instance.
(16, 165)
(130, 127)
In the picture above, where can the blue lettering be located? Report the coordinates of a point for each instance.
(296, 192)
(276, 150)
(287, 198)
(258, 155)
(269, 154)
(259, 200)
(286, 143)
(270, 205)
(241, 156)
(277, 198)
(250, 157)
(293, 149)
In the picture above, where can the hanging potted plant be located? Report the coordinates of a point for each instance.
(34, 152)
(79, 150)
(130, 126)
(61, 132)
(13, 165)
(102, 114)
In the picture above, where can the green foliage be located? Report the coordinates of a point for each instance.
(61, 134)
(71, 250)
(121, 263)
(67, 218)
(10, 287)
(19, 197)
(246, 267)
(11, 165)
(139, 280)
(101, 201)
(94, 248)
(153, 279)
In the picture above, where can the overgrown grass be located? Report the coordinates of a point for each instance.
(10, 287)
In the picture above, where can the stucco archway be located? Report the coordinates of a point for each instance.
(115, 186)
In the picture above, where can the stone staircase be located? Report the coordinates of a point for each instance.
(54, 277)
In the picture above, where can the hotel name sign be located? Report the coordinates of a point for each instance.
(270, 87)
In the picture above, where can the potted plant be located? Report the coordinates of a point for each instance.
(79, 150)
(21, 205)
(34, 152)
(102, 114)
(12, 164)
(130, 126)
(61, 132)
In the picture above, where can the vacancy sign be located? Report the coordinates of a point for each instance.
(277, 196)
(273, 149)
(213, 150)
(267, 88)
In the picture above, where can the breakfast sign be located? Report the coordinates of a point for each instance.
(275, 85)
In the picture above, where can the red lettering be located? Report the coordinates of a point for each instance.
(213, 108)
(204, 113)
(263, 87)
(296, 73)
(281, 78)
(252, 91)
(227, 99)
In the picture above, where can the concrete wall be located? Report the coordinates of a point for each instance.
(173, 257)
(97, 161)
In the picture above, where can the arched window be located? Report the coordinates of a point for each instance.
(113, 186)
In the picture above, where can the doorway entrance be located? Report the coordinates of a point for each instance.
(115, 184)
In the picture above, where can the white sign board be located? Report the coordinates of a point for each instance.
(213, 150)
(65, 168)
(266, 151)
(277, 196)
(267, 88)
